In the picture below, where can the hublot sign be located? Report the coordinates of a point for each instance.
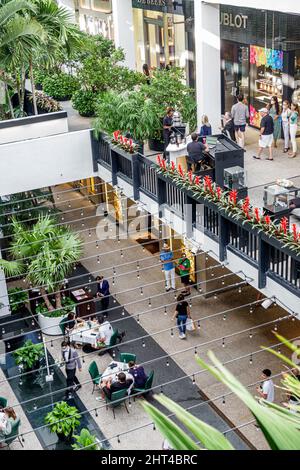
(234, 21)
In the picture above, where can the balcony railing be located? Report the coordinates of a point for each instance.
(267, 254)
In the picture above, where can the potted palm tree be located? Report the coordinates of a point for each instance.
(45, 254)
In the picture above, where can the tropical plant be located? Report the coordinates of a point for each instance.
(29, 354)
(85, 441)
(279, 425)
(60, 86)
(67, 306)
(228, 203)
(51, 250)
(63, 419)
(84, 101)
(45, 103)
(17, 298)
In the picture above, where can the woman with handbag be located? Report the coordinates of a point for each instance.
(182, 313)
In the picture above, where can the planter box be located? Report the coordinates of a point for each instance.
(50, 325)
(125, 165)
(279, 245)
(156, 145)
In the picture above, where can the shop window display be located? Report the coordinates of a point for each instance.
(266, 76)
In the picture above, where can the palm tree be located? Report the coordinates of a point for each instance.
(44, 254)
(279, 425)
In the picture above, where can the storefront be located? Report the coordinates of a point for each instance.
(95, 17)
(260, 57)
(164, 34)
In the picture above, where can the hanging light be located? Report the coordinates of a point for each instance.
(165, 310)
(172, 333)
(223, 400)
(240, 290)
(224, 316)
(149, 303)
(198, 324)
(250, 334)
(223, 343)
(143, 344)
(193, 380)
(96, 413)
(90, 233)
(98, 259)
(250, 360)
(142, 293)
(138, 318)
(97, 244)
(195, 351)
(138, 274)
(167, 363)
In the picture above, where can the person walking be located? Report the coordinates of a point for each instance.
(72, 361)
(184, 266)
(103, 293)
(166, 257)
(147, 74)
(266, 134)
(240, 115)
(274, 112)
(285, 122)
(266, 390)
(182, 313)
(167, 129)
(293, 129)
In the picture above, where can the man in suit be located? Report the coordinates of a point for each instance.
(103, 293)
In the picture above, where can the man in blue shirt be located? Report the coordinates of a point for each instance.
(166, 257)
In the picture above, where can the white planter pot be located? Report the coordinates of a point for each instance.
(50, 325)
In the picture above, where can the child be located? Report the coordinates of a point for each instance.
(206, 127)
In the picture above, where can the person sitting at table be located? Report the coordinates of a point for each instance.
(7, 418)
(109, 386)
(195, 149)
(139, 375)
(105, 332)
(228, 128)
(294, 206)
(71, 323)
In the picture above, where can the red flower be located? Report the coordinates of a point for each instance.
(173, 167)
(295, 234)
(180, 170)
(267, 219)
(116, 135)
(283, 225)
(208, 183)
(121, 139)
(163, 164)
(219, 192)
(158, 159)
(131, 142)
(233, 197)
(191, 176)
(256, 214)
(197, 180)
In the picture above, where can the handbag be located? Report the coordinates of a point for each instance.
(190, 326)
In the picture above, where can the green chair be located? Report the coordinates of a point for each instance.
(14, 434)
(127, 357)
(94, 373)
(113, 342)
(63, 324)
(3, 402)
(117, 399)
(148, 385)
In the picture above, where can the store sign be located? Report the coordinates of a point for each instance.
(157, 5)
(234, 21)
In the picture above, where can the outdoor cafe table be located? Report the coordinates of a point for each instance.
(85, 335)
(114, 371)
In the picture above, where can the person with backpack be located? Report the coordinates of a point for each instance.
(184, 266)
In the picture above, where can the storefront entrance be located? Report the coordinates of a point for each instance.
(235, 73)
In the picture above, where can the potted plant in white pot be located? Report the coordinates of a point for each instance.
(45, 254)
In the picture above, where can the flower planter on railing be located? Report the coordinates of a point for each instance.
(126, 166)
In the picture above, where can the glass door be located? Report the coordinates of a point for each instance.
(235, 73)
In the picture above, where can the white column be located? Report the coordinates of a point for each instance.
(4, 303)
(123, 29)
(208, 63)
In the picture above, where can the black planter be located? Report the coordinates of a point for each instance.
(156, 145)
(67, 439)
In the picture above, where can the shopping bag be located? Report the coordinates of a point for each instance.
(190, 326)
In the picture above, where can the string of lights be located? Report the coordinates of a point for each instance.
(171, 329)
(245, 282)
(94, 409)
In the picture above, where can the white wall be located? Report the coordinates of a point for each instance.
(46, 161)
(123, 29)
(286, 6)
(32, 131)
(208, 63)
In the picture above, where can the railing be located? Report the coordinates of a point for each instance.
(266, 254)
(148, 177)
(243, 241)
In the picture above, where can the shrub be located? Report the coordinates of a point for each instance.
(60, 86)
(84, 101)
(63, 419)
(85, 441)
(46, 103)
(29, 354)
(67, 303)
(17, 298)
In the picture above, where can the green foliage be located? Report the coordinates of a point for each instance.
(140, 111)
(85, 441)
(45, 103)
(63, 419)
(279, 426)
(17, 298)
(60, 86)
(68, 306)
(29, 354)
(84, 101)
